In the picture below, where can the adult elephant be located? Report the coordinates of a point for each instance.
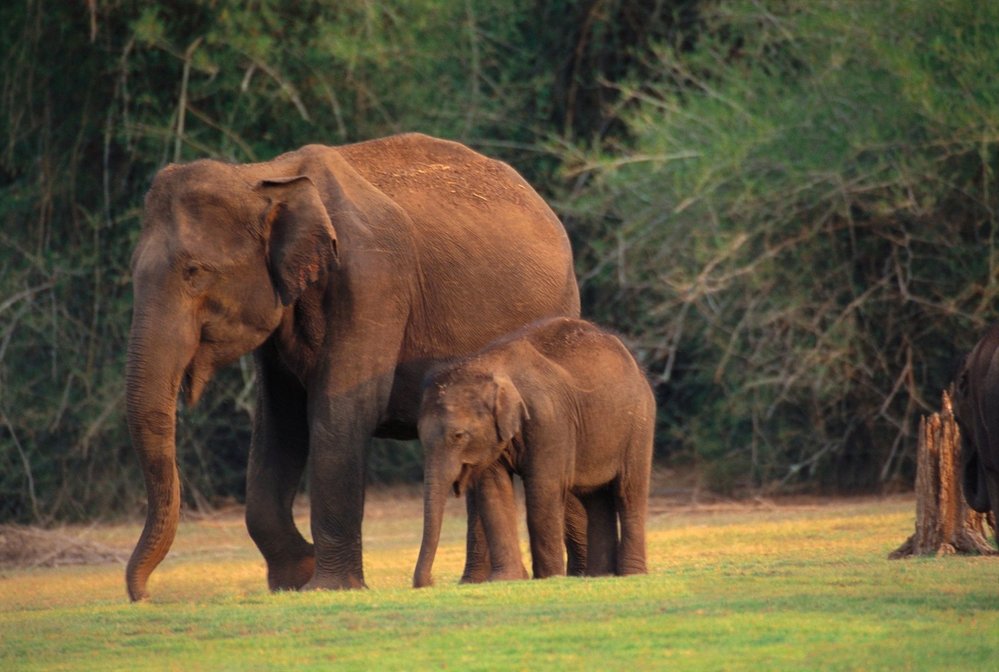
(348, 271)
(976, 409)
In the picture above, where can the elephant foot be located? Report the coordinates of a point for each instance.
(513, 574)
(546, 570)
(477, 573)
(632, 568)
(601, 562)
(474, 578)
(290, 575)
(483, 574)
(423, 581)
(539, 575)
(334, 583)
(601, 567)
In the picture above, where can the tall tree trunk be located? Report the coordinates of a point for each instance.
(945, 524)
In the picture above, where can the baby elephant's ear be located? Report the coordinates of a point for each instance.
(509, 409)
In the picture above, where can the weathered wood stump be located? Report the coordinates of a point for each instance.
(945, 524)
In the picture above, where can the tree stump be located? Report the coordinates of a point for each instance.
(945, 524)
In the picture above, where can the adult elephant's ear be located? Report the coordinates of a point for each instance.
(301, 240)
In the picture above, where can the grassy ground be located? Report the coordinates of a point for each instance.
(757, 587)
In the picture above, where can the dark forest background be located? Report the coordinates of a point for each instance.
(788, 208)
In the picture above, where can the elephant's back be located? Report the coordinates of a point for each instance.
(596, 360)
(588, 356)
(421, 172)
(488, 245)
(576, 342)
(445, 185)
(612, 403)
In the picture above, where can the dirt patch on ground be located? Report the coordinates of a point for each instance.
(33, 547)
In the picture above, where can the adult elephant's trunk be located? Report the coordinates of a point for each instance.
(156, 361)
(435, 493)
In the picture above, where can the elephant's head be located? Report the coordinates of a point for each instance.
(220, 256)
(465, 424)
(973, 481)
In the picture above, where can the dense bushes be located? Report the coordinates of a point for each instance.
(797, 235)
(788, 207)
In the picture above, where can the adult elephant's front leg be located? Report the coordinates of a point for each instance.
(340, 433)
(344, 411)
(278, 453)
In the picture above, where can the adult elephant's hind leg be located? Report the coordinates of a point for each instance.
(278, 454)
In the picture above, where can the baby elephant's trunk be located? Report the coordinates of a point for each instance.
(434, 498)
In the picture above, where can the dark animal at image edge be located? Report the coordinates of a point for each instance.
(348, 272)
(976, 409)
(564, 405)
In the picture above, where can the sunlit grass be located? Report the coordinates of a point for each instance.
(763, 587)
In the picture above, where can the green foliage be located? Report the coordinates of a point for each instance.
(801, 236)
(787, 206)
(87, 125)
(96, 97)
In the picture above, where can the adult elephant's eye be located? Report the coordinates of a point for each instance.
(196, 276)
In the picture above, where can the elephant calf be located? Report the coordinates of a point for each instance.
(559, 402)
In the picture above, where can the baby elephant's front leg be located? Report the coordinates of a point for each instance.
(497, 506)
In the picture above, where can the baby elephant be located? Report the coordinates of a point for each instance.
(561, 403)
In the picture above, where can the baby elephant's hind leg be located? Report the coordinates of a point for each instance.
(632, 505)
(601, 532)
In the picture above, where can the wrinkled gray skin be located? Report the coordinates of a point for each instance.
(590, 531)
(564, 405)
(347, 271)
(976, 409)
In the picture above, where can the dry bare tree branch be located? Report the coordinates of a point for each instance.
(182, 104)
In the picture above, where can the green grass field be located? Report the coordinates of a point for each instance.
(742, 587)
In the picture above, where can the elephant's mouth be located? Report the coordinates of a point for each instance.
(464, 477)
(196, 375)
